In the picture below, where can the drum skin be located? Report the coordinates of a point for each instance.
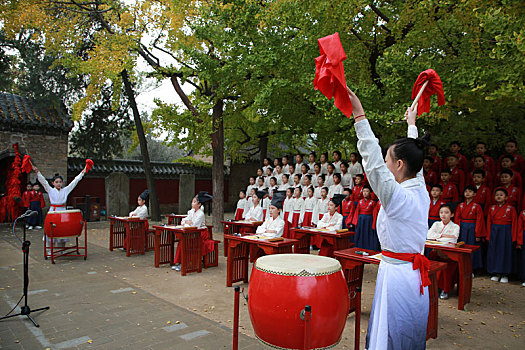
(275, 303)
(67, 223)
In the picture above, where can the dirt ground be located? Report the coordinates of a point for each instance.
(495, 318)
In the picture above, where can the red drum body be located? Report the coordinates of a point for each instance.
(282, 285)
(63, 223)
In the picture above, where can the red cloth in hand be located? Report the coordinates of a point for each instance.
(435, 86)
(26, 164)
(89, 164)
(330, 73)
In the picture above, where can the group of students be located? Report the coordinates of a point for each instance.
(33, 199)
(480, 203)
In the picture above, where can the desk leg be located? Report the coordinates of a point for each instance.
(111, 235)
(465, 276)
(157, 247)
(237, 263)
(432, 324)
(226, 244)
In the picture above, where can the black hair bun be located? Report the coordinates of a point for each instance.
(57, 174)
(424, 141)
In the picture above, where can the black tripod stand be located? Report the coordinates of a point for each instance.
(25, 310)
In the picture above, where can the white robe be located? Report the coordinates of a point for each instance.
(284, 187)
(324, 168)
(347, 181)
(438, 230)
(335, 189)
(287, 206)
(298, 168)
(297, 208)
(321, 208)
(242, 203)
(141, 211)
(399, 315)
(317, 192)
(311, 171)
(333, 222)
(355, 169)
(196, 218)
(337, 166)
(314, 180)
(329, 180)
(271, 224)
(255, 213)
(57, 197)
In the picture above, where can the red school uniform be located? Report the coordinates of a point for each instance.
(450, 192)
(365, 207)
(521, 228)
(513, 197)
(462, 162)
(519, 163)
(348, 207)
(516, 179)
(436, 164)
(488, 180)
(504, 215)
(433, 210)
(489, 164)
(26, 199)
(483, 197)
(472, 213)
(357, 193)
(431, 177)
(37, 196)
(457, 177)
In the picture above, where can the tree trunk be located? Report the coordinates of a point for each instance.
(263, 150)
(217, 144)
(154, 201)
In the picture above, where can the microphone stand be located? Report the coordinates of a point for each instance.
(25, 310)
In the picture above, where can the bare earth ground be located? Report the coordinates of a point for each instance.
(494, 319)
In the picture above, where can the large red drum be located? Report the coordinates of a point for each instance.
(63, 223)
(282, 285)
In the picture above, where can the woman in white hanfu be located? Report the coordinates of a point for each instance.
(58, 195)
(398, 319)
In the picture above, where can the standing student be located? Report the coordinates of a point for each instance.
(354, 167)
(291, 169)
(322, 206)
(436, 163)
(241, 205)
(276, 162)
(196, 218)
(324, 163)
(520, 251)
(36, 203)
(26, 197)
(255, 213)
(273, 226)
(260, 183)
(513, 192)
(309, 207)
(296, 217)
(457, 175)
(316, 174)
(362, 220)
(303, 172)
(320, 185)
(511, 149)
(471, 220)
(307, 184)
(267, 163)
(450, 191)
(311, 162)
(357, 192)
(273, 186)
(431, 177)
(481, 150)
(399, 315)
(296, 180)
(346, 177)
(284, 185)
(502, 228)
(507, 163)
(347, 208)
(336, 188)
(142, 210)
(286, 166)
(58, 195)
(455, 149)
(332, 220)
(337, 161)
(288, 210)
(298, 163)
(249, 201)
(265, 204)
(448, 232)
(478, 163)
(260, 173)
(329, 178)
(278, 174)
(251, 185)
(435, 203)
(483, 193)
(269, 174)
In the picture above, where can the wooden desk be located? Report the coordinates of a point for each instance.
(463, 256)
(175, 219)
(243, 228)
(339, 240)
(190, 240)
(352, 265)
(239, 250)
(130, 230)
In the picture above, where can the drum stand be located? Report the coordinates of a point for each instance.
(25, 310)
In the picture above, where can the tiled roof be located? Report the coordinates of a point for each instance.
(19, 113)
(134, 168)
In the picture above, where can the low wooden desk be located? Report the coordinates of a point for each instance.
(190, 240)
(242, 227)
(175, 219)
(463, 256)
(340, 240)
(131, 230)
(352, 265)
(239, 251)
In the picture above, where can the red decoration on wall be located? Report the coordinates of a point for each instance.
(14, 194)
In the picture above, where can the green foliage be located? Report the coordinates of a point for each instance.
(192, 161)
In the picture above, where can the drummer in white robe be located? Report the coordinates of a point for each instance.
(273, 226)
(399, 315)
(58, 195)
(142, 210)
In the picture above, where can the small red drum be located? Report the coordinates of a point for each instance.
(64, 223)
(282, 285)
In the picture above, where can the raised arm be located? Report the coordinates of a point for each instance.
(75, 181)
(42, 180)
(412, 133)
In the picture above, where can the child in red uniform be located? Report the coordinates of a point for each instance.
(507, 163)
(471, 220)
(455, 149)
(347, 206)
(513, 192)
(26, 196)
(431, 177)
(363, 219)
(479, 164)
(519, 247)
(357, 191)
(481, 150)
(435, 204)
(36, 204)
(436, 163)
(511, 149)
(457, 176)
(450, 191)
(483, 193)
(502, 227)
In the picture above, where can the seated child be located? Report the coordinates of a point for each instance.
(141, 211)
